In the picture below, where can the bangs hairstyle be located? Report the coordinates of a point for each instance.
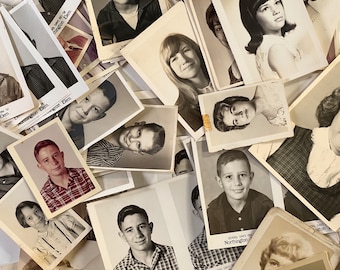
(229, 156)
(20, 216)
(169, 47)
(218, 113)
(248, 10)
(328, 108)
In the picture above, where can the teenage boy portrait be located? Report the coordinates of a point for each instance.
(63, 184)
(136, 230)
(238, 207)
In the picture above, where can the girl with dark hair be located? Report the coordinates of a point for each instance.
(265, 21)
(183, 63)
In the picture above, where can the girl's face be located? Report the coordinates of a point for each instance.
(239, 114)
(334, 134)
(276, 260)
(271, 17)
(34, 217)
(185, 63)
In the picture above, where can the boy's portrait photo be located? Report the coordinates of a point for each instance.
(158, 57)
(146, 142)
(246, 115)
(282, 240)
(220, 60)
(236, 193)
(46, 240)
(307, 163)
(134, 232)
(54, 169)
(270, 39)
(115, 22)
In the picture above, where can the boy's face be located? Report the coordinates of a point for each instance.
(90, 108)
(235, 179)
(51, 160)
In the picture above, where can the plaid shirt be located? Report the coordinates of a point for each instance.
(202, 258)
(56, 196)
(290, 161)
(163, 258)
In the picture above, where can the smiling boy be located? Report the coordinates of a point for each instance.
(239, 207)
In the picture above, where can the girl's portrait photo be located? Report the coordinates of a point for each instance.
(239, 117)
(168, 58)
(276, 36)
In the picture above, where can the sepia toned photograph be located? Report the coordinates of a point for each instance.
(53, 168)
(145, 143)
(220, 60)
(266, 47)
(283, 239)
(123, 215)
(245, 115)
(177, 78)
(307, 162)
(46, 240)
(236, 193)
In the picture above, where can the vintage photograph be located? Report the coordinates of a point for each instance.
(145, 143)
(270, 39)
(15, 96)
(53, 168)
(116, 23)
(245, 115)
(283, 239)
(169, 59)
(46, 240)
(125, 215)
(236, 193)
(108, 105)
(219, 58)
(307, 162)
(183, 161)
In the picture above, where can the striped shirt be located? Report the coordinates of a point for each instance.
(56, 196)
(163, 258)
(202, 258)
(103, 154)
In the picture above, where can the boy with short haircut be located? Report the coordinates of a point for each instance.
(239, 207)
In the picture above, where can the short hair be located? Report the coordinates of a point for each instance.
(248, 10)
(195, 193)
(290, 245)
(158, 139)
(218, 113)
(229, 156)
(42, 144)
(180, 155)
(20, 216)
(210, 17)
(128, 211)
(109, 92)
(328, 108)
(6, 157)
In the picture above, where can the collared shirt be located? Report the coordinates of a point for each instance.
(163, 258)
(62, 70)
(204, 258)
(223, 218)
(103, 154)
(10, 89)
(56, 196)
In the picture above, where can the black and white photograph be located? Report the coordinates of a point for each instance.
(53, 168)
(236, 193)
(46, 240)
(109, 104)
(282, 239)
(116, 23)
(15, 97)
(169, 59)
(41, 36)
(183, 159)
(307, 163)
(245, 115)
(9, 171)
(145, 143)
(220, 60)
(271, 39)
(134, 232)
